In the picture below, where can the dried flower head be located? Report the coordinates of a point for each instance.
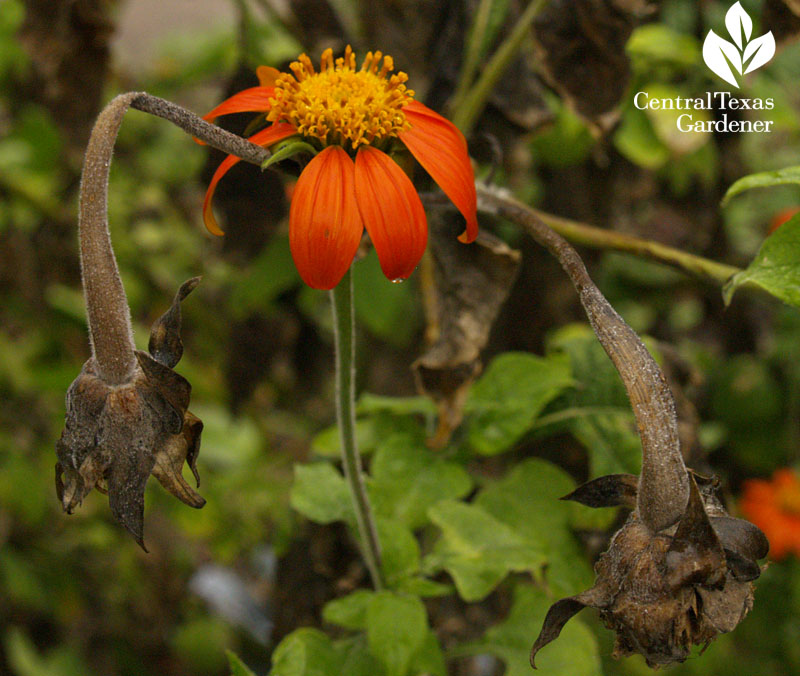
(662, 592)
(117, 434)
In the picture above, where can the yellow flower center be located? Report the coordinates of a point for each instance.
(340, 103)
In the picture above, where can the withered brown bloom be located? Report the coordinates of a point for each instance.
(680, 570)
(127, 411)
(664, 591)
(117, 434)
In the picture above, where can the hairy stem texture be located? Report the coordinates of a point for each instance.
(344, 330)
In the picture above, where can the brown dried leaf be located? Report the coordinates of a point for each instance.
(463, 298)
(612, 490)
(165, 336)
(562, 612)
(695, 554)
(581, 47)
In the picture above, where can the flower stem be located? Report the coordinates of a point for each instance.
(470, 107)
(343, 331)
(663, 484)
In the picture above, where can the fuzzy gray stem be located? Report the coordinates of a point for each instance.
(110, 331)
(196, 126)
(663, 484)
(109, 319)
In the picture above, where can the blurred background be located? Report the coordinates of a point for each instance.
(77, 596)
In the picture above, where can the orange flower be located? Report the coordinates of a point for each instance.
(355, 120)
(774, 506)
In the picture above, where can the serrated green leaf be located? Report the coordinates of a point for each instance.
(527, 500)
(407, 478)
(505, 402)
(575, 653)
(320, 493)
(478, 549)
(238, 668)
(306, 652)
(396, 629)
(764, 179)
(349, 611)
(776, 267)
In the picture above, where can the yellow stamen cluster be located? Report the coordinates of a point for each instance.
(341, 104)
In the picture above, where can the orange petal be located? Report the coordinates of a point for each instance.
(324, 225)
(253, 100)
(441, 149)
(391, 211)
(267, 75)
(266, 137)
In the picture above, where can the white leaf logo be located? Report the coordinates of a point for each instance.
(737, 21)
(731, 59)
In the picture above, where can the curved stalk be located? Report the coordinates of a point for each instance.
(343, 331)
(663, 483)
(109, 319)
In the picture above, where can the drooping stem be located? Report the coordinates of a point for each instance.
(110, 331)
(344, 336)
(663, 483)
(107, 310)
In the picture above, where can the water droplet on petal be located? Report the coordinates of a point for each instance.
(399, 280)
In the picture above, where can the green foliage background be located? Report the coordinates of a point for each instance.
(476, 543)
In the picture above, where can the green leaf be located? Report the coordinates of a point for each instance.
(349, 611)
(764, 179)
(596, 411)
(422, 586)
(655, 44)
(373, 403)
(306, 652)
(383, 419)
(776, 267)
(478, 549)
(320, 493)
(506, 401)
(407, 478)
(400, 556)
(429, 660)
(238, 668)
(527, 500)
(575, 653)
(358, 661)
(637, 141)
(396, 629)
(286, 150)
